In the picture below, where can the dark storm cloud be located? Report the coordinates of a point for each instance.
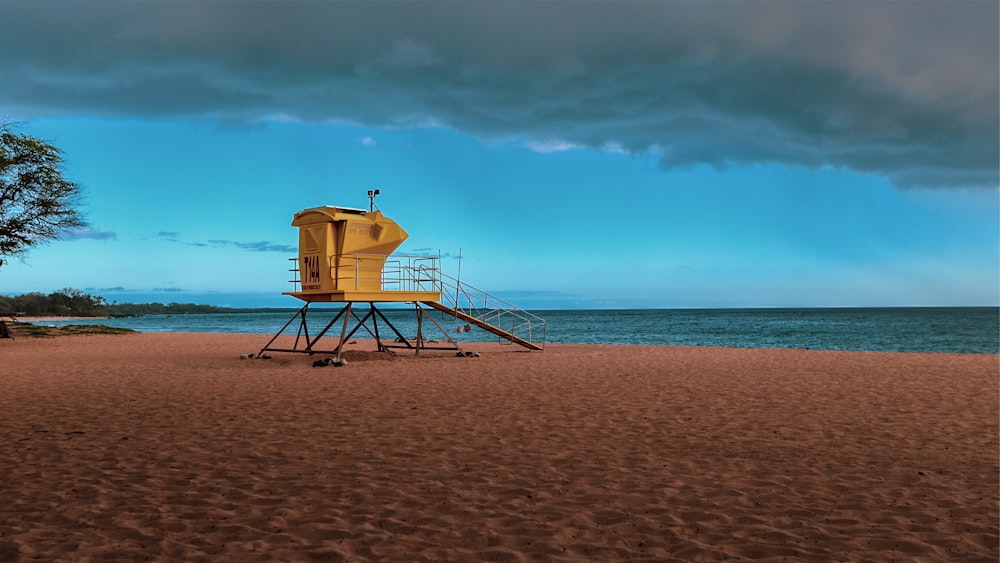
(908, 90)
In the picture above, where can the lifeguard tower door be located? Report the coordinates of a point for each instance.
(313, 243)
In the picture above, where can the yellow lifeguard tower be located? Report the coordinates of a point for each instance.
(345, 256)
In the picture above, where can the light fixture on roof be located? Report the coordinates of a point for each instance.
(371, 200)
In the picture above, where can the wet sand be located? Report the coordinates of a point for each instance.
(170, 447)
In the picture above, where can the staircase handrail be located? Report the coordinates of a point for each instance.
(493, 310)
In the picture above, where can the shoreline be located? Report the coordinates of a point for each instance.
(168, 446)
(948, 332)
(359, 343)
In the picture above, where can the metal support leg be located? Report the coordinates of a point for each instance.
(343, 331)
(420, 328)
(440, 328)
(301, 312)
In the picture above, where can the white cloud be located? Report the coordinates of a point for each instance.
(550, 146)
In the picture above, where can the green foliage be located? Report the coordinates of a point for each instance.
(137, 309)
(27, 329)
(71, 302)
(67, 302)
(19, 330)
(36, 203)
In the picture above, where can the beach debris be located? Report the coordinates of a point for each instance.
(467, 354)
(335, 362)
(5, 331)
(246, 356)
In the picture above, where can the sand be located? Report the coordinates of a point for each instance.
(169, 447)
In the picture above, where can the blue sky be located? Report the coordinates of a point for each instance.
(670, 154)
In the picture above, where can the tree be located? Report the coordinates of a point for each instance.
(36, 203)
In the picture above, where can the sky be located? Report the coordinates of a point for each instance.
(575, 154)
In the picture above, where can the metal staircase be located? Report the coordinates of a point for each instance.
(477, 307)
(490, 313)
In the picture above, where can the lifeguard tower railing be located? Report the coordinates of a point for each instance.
(458, 299)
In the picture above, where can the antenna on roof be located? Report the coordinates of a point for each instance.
(371, 200)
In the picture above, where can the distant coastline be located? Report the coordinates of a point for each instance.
(215, 311)
(75, 304)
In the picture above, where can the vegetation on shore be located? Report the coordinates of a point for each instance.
(75, 303)
(29, 330)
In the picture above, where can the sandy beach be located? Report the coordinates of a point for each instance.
(170, 447)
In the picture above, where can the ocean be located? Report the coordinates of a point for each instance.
(967, 330)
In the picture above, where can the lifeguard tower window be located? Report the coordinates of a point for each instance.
(347, 209)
